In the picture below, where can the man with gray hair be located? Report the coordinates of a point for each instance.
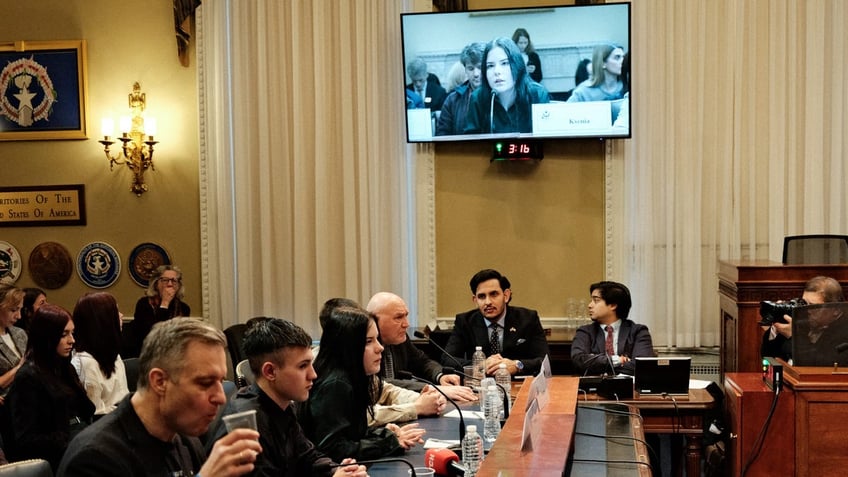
(425, 84)
(400, 354)
(154, 430)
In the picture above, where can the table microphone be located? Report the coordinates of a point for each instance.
(506, 403)
(593, 358)
(408, 375)
(419, 334)
(444, 462)
(379, 461)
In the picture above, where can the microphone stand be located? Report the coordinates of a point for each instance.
(420, 335)
(449, 370)
(379, 461)
(506, 403)
(408, 375)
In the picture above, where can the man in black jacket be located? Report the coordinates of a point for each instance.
(400, 354)
(508, 334)
(611, 340)
(280, 356)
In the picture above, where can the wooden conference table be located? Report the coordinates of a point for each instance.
(682, 415)
(556, 430)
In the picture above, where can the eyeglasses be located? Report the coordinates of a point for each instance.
(169, 280)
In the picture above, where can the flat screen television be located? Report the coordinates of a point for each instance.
(512, 92)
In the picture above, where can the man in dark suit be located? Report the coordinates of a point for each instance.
(611, 340)
(508, 334)
(426, 85)
(400, 354)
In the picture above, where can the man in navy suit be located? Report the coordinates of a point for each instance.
(508, 334)
(426, 85)
(609, 309)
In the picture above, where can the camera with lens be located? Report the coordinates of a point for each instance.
(772, 312)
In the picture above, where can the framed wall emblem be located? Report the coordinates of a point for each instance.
(43, 90)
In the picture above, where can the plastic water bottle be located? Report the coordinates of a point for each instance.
(492, 410)
(503, 378)
(478, 361)
(472, 450)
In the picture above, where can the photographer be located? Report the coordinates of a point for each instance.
(777, 338)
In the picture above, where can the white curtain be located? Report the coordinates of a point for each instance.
(739, 139)
(304, 180)
(740, 129)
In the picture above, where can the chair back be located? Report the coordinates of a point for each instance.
(27, 468)
(131, 367)
(244, 375)
(815, 249)
(235, 335)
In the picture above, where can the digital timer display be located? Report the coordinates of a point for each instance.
(517, 150)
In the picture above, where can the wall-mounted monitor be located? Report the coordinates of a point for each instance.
(536, 73)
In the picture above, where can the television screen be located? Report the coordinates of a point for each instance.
(539, 72)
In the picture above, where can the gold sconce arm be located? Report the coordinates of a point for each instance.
(136, 153)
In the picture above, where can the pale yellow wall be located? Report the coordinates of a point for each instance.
(539, 223)
(128, 41)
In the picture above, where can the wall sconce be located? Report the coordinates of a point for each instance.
(133, 131)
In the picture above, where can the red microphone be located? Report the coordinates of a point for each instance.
(444, 462)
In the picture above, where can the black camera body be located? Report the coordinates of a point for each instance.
(772, 312)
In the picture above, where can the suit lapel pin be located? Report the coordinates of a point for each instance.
(512, 329)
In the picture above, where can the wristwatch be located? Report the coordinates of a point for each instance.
(519, 365)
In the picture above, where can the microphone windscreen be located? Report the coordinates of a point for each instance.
(440, 459)
(420, 334)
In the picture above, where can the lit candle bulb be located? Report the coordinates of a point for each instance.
(150, 127)
(108, 127)
(125, 124)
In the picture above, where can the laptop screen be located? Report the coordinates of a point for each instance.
(660, 375)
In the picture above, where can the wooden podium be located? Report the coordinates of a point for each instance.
(807, 433)
(742, 286)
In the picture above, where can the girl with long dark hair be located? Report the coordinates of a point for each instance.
(503, 102)
(335, 417)
(98, 341)
(47, 402)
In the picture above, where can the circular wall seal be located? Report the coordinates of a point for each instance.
(10, 263)
(98, 265)
(50, 265)
(144, 260)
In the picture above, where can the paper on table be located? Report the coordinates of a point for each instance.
(472, 414)
(698, 383)
(432, 443)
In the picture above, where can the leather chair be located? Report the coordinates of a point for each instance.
(27, 468)
(244, 375)
(815, 249)
(235, 335)
(131, 367)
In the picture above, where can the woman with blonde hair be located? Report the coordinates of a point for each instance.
(13, 340)
(162, 301)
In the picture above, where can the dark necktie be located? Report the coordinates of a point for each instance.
(494, 340)
(610, 349)
(390, 366)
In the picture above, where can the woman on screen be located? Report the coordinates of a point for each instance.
(605, 83)
(531, 58)
(503, 102)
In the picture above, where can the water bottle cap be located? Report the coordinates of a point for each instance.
(471, 428)
(478, 348)
(502, 365)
